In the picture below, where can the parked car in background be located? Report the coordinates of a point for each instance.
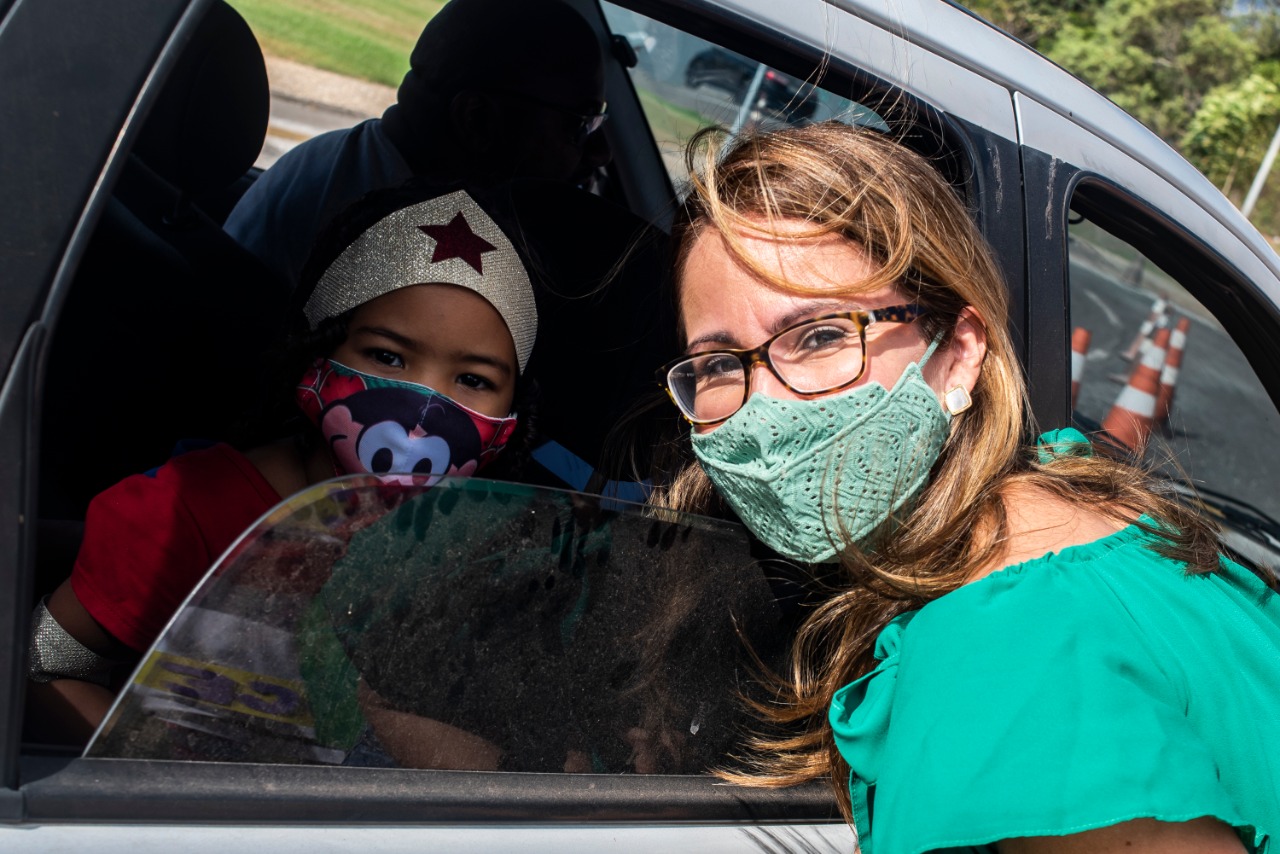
(736, 75)
(117, 276)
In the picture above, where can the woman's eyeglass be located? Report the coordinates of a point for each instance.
(819, 355)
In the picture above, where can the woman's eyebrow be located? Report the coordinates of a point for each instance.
(806, 311)
(725, 339)
(720, 337)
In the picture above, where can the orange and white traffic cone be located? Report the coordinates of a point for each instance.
(1080, 338)
(1156, 314)
(1172, 364)
(1134, 412)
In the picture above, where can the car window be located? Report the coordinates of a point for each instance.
(1153, 368)
(686, 83)
(473, 625)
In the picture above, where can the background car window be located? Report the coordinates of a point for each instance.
(686, 83)
(473, 625)
(1211, 422)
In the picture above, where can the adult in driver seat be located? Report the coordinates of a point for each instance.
(496, 90)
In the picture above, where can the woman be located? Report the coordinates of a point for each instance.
(1034, 641)
(418, 320)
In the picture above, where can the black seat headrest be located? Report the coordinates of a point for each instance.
(206, 128)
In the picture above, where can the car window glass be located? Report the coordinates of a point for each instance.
(1211, 420)
(472, 625)
(686, 83)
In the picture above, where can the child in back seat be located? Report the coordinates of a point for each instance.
(419, 325)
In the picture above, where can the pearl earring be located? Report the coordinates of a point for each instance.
(956, 400)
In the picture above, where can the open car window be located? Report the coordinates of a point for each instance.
(472, 625)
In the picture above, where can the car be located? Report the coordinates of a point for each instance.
(737, 76)
(115, 264)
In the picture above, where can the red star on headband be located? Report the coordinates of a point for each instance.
(457, 240)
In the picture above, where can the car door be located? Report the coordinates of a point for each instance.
(72, 76)
(79, 81)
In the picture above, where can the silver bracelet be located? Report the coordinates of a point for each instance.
(55, 654)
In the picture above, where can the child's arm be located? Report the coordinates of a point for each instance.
(70, 658)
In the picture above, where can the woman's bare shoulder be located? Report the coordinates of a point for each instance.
(1038, 523)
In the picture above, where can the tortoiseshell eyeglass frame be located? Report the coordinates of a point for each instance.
(760, 355)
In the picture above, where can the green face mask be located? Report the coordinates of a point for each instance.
(808, 476)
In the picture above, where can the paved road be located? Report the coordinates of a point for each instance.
(294, 120)
(1223, 421)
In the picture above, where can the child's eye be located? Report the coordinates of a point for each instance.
(475, 381)
(385, 357)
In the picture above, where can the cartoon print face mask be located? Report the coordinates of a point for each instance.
(389, 427)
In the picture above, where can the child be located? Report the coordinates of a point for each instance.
(418, 330)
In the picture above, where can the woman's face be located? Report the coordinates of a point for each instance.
(723, 304)
(441, 336)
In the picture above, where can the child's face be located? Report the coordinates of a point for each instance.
(442, 336)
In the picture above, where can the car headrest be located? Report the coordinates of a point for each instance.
(207, 127)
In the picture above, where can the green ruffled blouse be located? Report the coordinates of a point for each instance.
(1077, 690)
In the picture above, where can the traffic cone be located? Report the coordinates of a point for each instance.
(1133, 414)
(1154, 317)
(1172, 364)
(1080, 338)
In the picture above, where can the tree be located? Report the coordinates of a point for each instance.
(1155, 58)
(1033, 21)
(1229, 133)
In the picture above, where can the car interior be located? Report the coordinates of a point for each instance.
(134, 369)
(176, 355)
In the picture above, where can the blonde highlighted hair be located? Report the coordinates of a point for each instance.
(862, 186)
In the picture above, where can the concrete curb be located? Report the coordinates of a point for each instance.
(316, 87)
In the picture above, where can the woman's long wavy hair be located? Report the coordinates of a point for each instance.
(831, 179)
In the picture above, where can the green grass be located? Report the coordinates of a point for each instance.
(671, 124)
(367, 39)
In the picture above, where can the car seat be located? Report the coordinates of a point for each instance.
(166, 325)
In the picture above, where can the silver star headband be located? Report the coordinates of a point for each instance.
(446, 240)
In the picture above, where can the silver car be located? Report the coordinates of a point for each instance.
(605, 648)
